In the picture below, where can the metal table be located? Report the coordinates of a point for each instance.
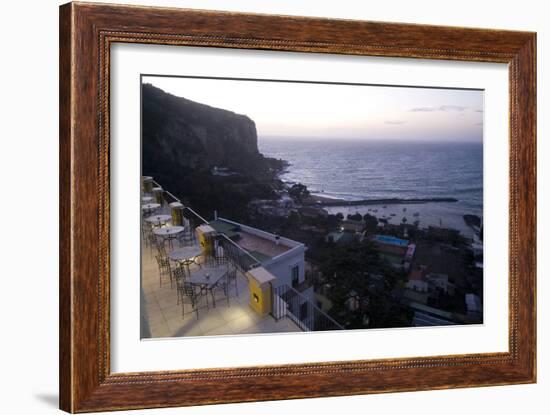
(186, 254)
(158, 220)
(208, 276)
(150, 207)
(168, 233)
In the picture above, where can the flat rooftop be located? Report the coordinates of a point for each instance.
(260, 244)
(253, 243)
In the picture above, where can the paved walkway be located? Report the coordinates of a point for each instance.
(164, 315)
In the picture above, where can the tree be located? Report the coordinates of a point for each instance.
(348, 269)
(371, 223)
(345, 268)
(356, 216)
(384, 312)
(298, 192)
(332, 221)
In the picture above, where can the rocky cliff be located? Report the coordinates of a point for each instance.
(178, 132)
(183, 140)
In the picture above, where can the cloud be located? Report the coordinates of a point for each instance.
(446, 108)
(395, 122)
(442, 108)
(423, 109)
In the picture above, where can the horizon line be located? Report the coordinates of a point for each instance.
(409, 140)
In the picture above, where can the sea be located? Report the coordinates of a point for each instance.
(381, 169)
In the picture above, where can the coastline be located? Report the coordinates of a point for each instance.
(324, 201)
(423, 212)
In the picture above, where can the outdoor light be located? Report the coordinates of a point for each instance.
(256, 298)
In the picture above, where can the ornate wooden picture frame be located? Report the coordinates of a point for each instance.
(87, 32)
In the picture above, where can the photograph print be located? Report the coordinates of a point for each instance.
(277, 206)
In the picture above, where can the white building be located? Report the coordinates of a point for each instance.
(282, 257)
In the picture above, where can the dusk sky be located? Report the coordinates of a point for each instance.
(325, 111)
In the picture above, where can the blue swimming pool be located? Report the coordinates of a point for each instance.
(392, 240)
